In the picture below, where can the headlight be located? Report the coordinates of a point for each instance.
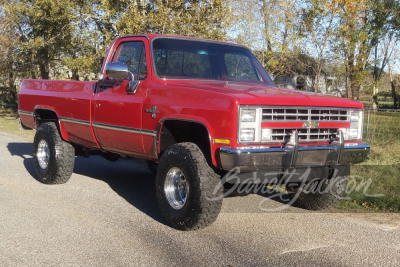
(356, 126)
(249, 127)
(247, 115)
(247, 135)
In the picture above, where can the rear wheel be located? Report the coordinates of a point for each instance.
(189, 192)
(53, 157)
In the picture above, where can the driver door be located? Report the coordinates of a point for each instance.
(116, 114)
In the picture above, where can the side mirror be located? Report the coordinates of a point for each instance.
(119, 70)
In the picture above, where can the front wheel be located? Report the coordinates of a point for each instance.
(321, 194)
(189, 192)
(53, 157)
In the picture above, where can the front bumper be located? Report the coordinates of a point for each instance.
(292, 156)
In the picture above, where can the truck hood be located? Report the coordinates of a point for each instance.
(251, 94)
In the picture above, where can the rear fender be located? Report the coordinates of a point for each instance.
(47, 114)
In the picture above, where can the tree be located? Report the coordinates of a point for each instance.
(353, 37)
(362, 24)
(44, 28)
(10, 56)
(392, 56)
(318, 24)
(198, 18)
(272, 27)
(72, 36)
(387, 23)
(93, 30)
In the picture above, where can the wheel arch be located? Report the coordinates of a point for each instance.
(175, 130)
(42, 115)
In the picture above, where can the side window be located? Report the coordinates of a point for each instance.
(238, 66)
(133, 54)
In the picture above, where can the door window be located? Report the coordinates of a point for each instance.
(238, 66)
(133, 54)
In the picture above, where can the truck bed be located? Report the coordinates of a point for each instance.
(71, 100)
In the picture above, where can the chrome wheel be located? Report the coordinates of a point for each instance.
(176, 188)
(43, 154)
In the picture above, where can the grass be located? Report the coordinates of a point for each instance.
(383, 102)
(9, 124)
(382, 169)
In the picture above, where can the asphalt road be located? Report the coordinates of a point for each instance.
(107, 215)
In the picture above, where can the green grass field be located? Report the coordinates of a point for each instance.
(382, 169)
(9, 123)
(383, 102)
(383, 165)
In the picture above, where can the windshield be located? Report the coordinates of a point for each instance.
(188, 59)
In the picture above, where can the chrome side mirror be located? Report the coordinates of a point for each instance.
(119, 70)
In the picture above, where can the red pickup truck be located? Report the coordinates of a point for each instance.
(196, 110)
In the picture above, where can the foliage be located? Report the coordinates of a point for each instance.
(43, 28)
(383, 166)
(68, 39)
(204, 18)
(363, 24)
(289, 64)
(318, 23)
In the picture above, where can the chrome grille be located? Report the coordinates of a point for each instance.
(305, 135)
(304, 114)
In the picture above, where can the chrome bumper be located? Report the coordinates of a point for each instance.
(293, 156)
